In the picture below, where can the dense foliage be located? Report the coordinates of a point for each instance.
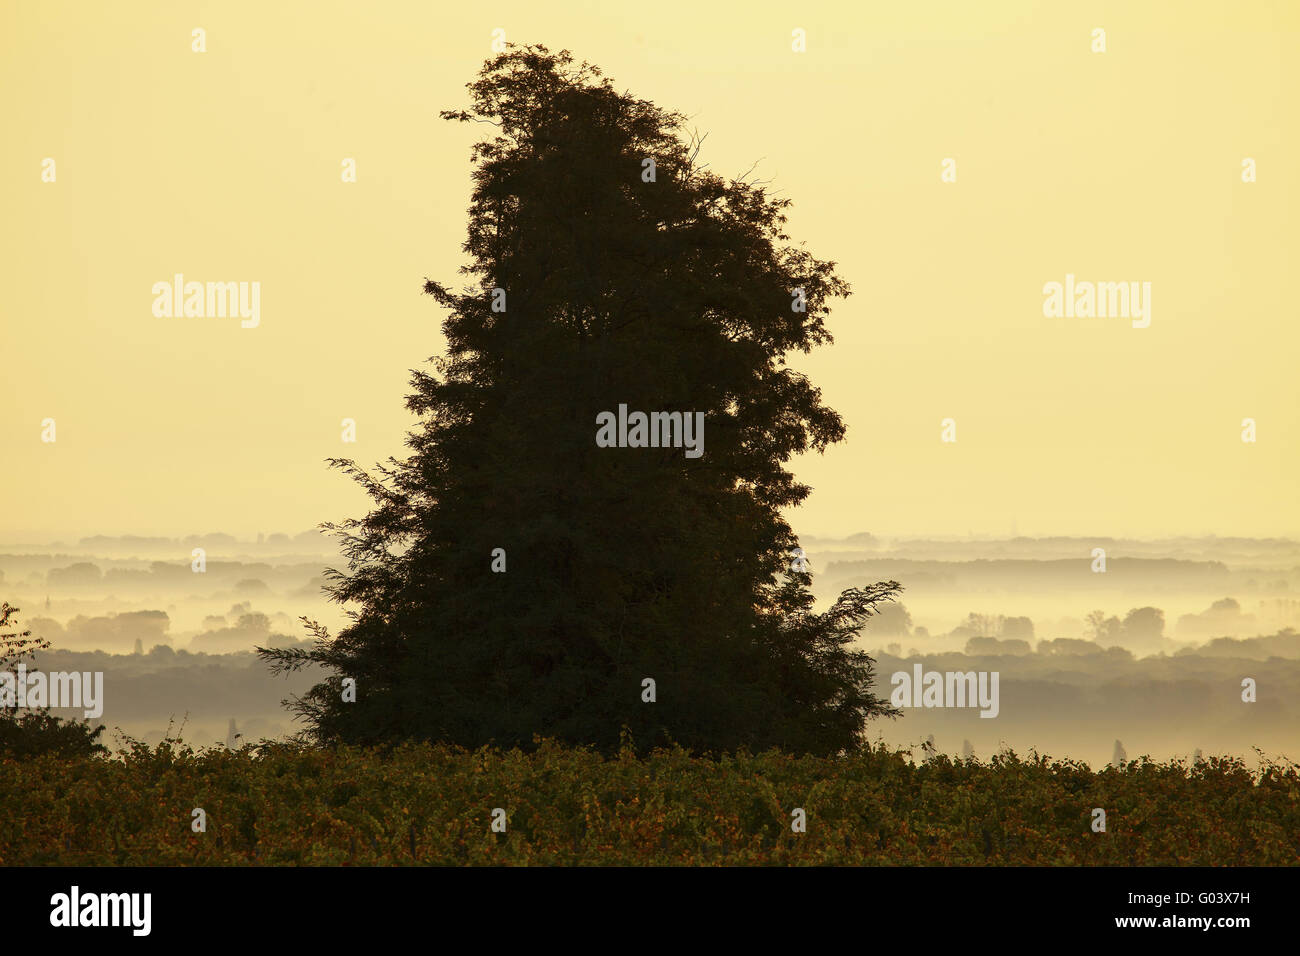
(513, 578)
(421, 804)
(38, 732)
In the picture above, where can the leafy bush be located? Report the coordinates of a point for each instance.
(416, 804)
(40, 732)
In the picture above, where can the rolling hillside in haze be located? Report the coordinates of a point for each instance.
(1228, 608)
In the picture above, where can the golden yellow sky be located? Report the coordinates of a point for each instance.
(225, 166)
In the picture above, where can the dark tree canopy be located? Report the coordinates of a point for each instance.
(676, 294)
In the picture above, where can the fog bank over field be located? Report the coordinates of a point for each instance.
(1046, 588)
(211, 593)
(1152, 651)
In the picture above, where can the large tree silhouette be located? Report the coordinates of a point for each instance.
(597, 280)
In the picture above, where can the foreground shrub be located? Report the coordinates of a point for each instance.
(282, 804)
